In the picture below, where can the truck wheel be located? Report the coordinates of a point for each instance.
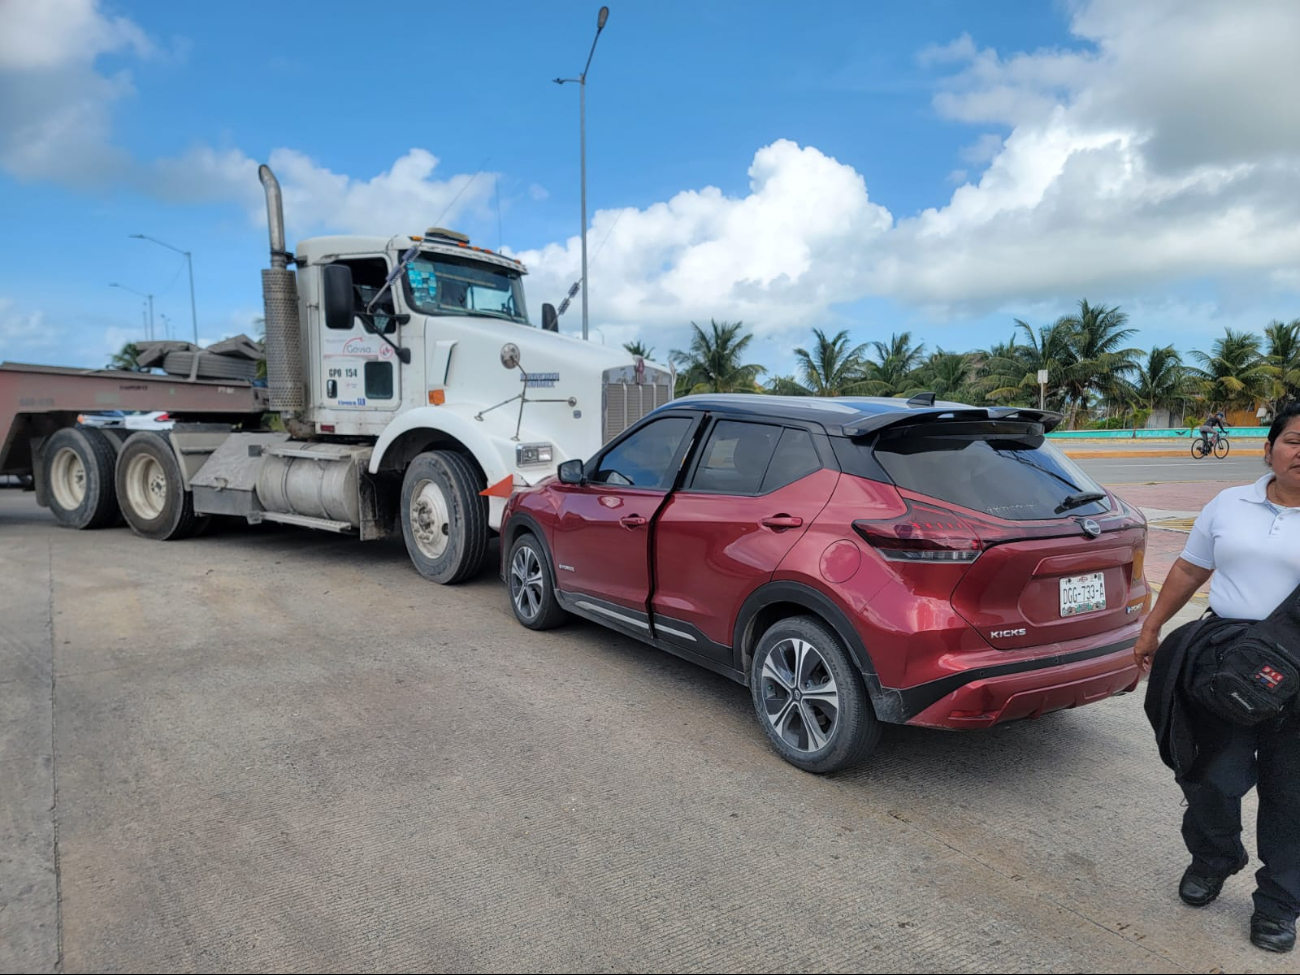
(444, 519)
(151, 491)
(532, 587)
(810, 698)
(79, 475)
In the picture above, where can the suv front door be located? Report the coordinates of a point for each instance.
(601, 541)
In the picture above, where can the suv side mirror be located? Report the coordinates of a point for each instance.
(571, 472)
(336, 295)
(550, 320)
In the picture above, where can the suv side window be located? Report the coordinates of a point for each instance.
(736, 457)
(795, 457)
(645, 458)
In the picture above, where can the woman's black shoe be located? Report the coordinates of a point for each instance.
(1197, 889)
(1272, 933)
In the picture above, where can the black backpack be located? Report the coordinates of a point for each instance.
(1249, 673)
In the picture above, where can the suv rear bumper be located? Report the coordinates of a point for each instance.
(992, 700)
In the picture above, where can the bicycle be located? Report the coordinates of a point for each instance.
(1218, 444)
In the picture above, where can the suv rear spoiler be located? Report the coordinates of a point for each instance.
(867, 425)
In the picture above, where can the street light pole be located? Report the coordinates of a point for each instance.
(189, 263)
(149, 330)
(601, 17)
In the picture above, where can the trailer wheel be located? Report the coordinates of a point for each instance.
(444, 518)
(79, 474)
(151, 490)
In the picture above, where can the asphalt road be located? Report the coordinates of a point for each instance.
(274, 750)
(1144, 470)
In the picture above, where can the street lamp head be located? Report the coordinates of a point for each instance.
(137, 236)
(601, 18)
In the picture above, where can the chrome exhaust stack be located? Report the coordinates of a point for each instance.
(284, 365)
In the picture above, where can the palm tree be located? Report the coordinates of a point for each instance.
(638, 349)
(1010, 371)
(1161, 383)
(1094, 361)
(712, 364)
(786, 386)
(126, 360)
(949, 375)
(1235, 373)
(1284, 356)
(889, 372)
(832, 368)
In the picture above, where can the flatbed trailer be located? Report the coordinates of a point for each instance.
(38, 402)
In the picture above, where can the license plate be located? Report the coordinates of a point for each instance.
(1083, 594)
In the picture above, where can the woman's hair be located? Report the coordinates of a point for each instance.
(1283, 419)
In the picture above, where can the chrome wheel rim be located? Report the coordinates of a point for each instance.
(801, 702)
(430, 519)
(526, 582)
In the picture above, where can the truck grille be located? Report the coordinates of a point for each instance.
(626, 402)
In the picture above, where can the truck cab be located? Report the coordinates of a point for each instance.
(414, 393)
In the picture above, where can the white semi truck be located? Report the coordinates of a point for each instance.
(413, 390)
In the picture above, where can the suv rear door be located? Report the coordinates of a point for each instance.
(753, 490)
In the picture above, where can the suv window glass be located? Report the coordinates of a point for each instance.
(736, 457)
(1008, 470)
(645, 459)
(795, 457)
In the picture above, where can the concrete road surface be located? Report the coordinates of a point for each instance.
(273, 750)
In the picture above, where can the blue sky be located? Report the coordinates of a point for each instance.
(942, 167)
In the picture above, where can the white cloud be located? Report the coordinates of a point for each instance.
(56, 33)
(407, 197)
(55, 116)
(774, 258)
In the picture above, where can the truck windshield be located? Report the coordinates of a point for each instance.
(440, 285)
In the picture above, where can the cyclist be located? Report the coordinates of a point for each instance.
(1208, 429)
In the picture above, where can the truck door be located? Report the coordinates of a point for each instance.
(359, 370)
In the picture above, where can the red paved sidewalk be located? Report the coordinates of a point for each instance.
(1176, 497)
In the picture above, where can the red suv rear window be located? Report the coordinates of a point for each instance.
(1004, 469)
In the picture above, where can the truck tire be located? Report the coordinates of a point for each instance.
(78, 473)
(151, 490)
(444, 518)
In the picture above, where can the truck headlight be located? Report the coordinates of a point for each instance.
(527, 454)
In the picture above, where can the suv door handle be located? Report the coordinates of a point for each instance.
(782, 522)
(631, 521)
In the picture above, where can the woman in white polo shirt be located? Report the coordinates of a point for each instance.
(1247, 543)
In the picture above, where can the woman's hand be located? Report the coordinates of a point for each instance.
(1145, 649)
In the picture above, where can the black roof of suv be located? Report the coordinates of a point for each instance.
(856, 416)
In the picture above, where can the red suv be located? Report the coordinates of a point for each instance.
(852, 561)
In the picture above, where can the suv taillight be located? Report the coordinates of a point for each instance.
(924, 533)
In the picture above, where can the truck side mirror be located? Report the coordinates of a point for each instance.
(571, 472)
(550, 320)
(336, 295)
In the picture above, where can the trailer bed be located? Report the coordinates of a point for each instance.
(37, 400)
